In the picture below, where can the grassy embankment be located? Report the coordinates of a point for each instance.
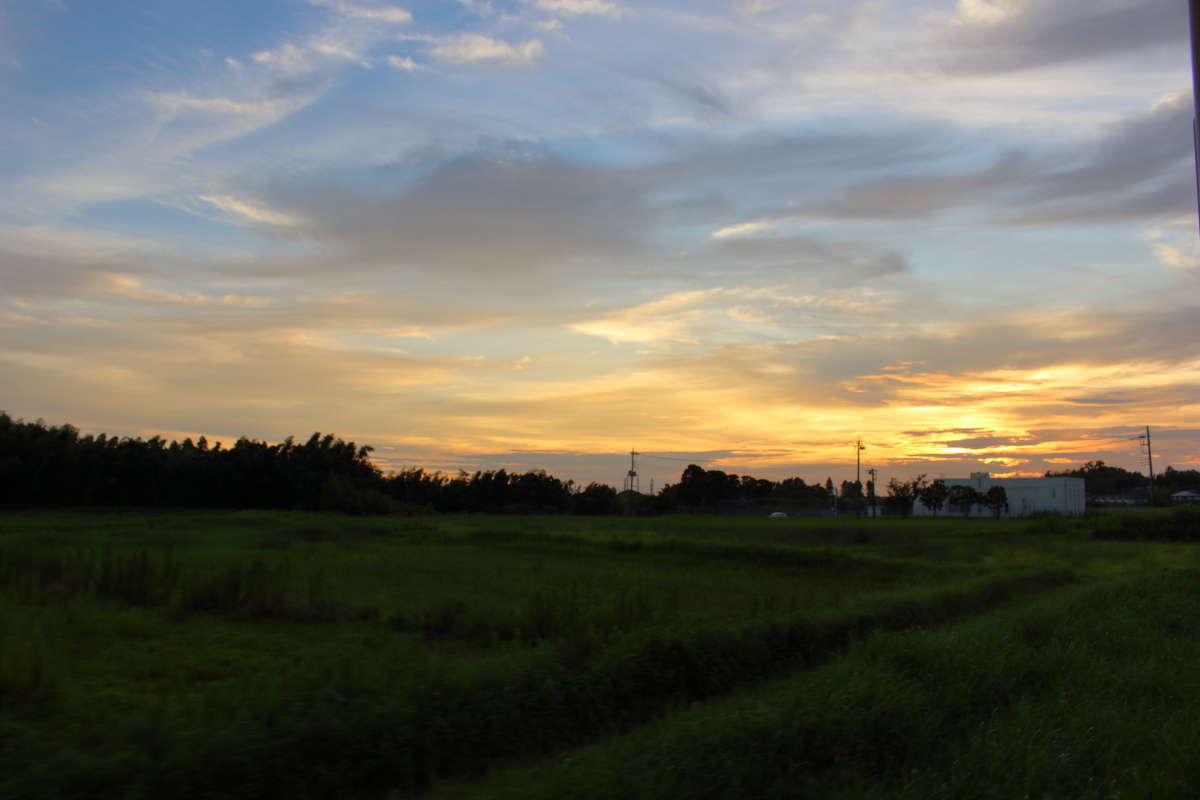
(308, 655)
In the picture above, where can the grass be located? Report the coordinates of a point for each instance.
(1080, 694)
(307, 655)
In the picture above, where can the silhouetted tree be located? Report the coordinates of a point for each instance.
(996, 500)
(964, 498)
(933, 496)
(596, 498)
(902, 493)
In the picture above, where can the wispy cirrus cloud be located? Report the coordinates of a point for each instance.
(249, 210)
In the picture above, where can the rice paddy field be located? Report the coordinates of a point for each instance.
(302, 655)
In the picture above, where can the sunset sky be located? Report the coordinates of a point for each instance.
(537, 233)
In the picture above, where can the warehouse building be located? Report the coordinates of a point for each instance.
(1025, 495)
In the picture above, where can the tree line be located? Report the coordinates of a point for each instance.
(44, 465)
(57, 466)
(1104, 480)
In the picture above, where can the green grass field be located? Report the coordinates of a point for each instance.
(262, 654)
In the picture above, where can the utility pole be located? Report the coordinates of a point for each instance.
(858, 448)
(1194, 19)
(1150, 455)
(1145, 440)
(874, 490)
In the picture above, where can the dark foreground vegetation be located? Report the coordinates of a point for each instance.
(1086, 693)
(302, 655)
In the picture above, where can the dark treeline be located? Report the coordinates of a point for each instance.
(714, 490)
(57, 466)
(503, 492)
(44, 465)
(1102, 479)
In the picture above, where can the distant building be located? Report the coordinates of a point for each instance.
(1025, 496)
(1186, 496)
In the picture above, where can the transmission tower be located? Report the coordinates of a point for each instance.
(632, 484)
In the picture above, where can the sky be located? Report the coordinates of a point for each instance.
(541, 233)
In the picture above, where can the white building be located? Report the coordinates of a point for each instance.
(1025, 495)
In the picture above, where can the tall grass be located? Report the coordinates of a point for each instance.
(34, 661)
(1178, 524)
(578, 613)
(343, 742)
(1080, 695)
(255, 590)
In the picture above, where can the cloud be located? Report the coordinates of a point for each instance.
(1130, 170)
(474, 48)
(985, 12)
(482, 7)
(576, 8)
(1000, 35)
(675, 317)
(757, 6)
(852, 261)
(1175, 258)
(922, 194)
(741, 229)
(393, 14)
(134, 288)
(715, 316)
(803, 154)
(160, 135)
(298, 58)
(249, 210)
(405, 64)
(500, 217)
(183, 103)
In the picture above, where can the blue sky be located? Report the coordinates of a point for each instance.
(538, 233)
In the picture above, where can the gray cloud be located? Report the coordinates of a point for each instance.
(1039, 33)
(479, 216)
(797, 156)
(922, 194)
(1134, 168)
(24, 274)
